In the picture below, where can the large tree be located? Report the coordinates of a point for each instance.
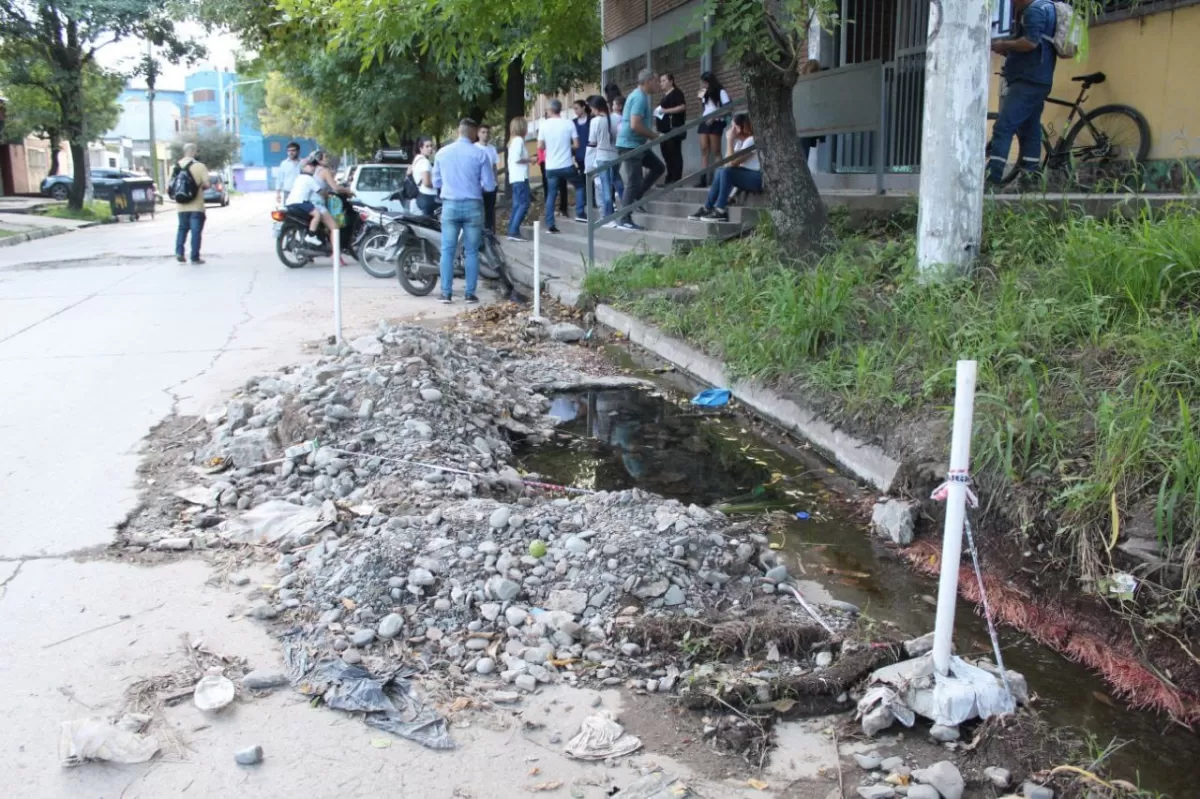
(66, 35)
(215, 148)
(768, 39)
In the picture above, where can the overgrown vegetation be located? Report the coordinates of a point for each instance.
(97, 211)
(1088, 341)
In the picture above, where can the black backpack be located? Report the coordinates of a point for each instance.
(409, 190)
(183, 187)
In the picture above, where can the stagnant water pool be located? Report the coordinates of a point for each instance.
(614, 440)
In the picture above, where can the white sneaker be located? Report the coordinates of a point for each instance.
(611, 224)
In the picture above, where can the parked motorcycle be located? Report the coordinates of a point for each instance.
(293, 246)
(372, 238)
(414, 247)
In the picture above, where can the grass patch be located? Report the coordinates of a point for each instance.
(4, 233)
(96, 211)
(1086, 332)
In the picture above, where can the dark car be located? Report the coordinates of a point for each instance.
(216, 191)
(103, 183)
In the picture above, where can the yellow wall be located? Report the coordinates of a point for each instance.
(1152, 63)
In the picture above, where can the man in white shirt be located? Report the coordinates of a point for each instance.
(489, 197)
(558, 137)
(305, 196)
(286, 174)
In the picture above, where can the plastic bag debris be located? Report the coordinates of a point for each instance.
(271, 522)
(213, 692)
(95, 738)
(601, 737)
(879, 707)
(390, 701)
(712, 398)
(966, 693)
(655, 785)
(803, 515)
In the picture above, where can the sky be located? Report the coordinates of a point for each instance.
(222, 47)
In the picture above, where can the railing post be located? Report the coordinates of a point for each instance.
(589, 190)
(336, 242)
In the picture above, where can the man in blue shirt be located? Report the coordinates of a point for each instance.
(463, 172)
(635, 131)
(1029, 59)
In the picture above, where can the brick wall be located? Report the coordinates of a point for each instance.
(622, 16)
(729, 75)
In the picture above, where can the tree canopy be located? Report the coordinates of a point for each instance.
(214, 148)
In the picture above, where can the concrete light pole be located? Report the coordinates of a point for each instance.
(950, 219)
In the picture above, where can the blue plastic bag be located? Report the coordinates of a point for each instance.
(712, 398)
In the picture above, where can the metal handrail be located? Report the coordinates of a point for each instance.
(589, 177)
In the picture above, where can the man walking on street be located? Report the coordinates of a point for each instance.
(636, 131)
(489, 197)
(191, 212)
(463, 173)
(1029, 60)
(558, 137)
(285, 175)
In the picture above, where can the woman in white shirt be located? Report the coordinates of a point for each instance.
(518, 176)
(617, 104)
(422, 173)
(602, 149)
(712, 96)
(744, 173)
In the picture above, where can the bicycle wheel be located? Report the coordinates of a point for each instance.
(1107, 144)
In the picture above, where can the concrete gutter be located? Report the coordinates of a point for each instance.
(30, 235)
(865, 461)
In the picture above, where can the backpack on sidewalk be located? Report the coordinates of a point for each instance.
(1068, 30)
(183, 187)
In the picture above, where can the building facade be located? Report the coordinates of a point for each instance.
(1146, 49)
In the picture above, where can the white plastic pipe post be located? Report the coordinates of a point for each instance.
(337, 284)
(537, 270)
(956, 503)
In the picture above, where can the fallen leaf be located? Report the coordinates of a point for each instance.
(462, 703)
(533, 772)
(784, 705)
(1103, 697)
(381, 743)
(546, 786)
(757, 785)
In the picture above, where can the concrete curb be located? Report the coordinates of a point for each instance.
(867, 462)
(31, 235)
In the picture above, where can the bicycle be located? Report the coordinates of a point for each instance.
(1109, 142)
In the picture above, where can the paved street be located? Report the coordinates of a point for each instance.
(102, 335)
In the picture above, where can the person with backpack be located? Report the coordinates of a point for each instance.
(188, 181)
(1030, 55)
(421, 173)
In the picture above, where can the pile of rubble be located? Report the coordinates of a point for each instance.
(381, 478)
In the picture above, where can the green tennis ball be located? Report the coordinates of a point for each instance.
(537, 548)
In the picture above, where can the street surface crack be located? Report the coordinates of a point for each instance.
(75, 304)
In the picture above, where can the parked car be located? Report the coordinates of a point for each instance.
(103, 183)
(217, 192)
(373, 183)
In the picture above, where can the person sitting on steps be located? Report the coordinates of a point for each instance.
(743, 173)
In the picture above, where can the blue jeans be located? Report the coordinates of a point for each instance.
(1020, 115)
(521, 198)
(606, 190)
(729, 178)
(465, 216)
(427, 203)
(557, 181)
(618, 185)
(189, 221)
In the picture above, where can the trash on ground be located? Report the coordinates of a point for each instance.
(712, 398)
(96, 738)
(803, 515)
(656, 785)
(214, 692)
(601, 737)
(911, 686)
(272, 522)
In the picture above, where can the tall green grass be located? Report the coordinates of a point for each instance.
(1086, 332)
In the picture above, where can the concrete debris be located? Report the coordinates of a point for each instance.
(944, 776)
(264, 679)
(1031, 790)
(999, 777)
(895, 519)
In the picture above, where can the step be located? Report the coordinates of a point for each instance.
(680, 227)
(611, 240)
(697, 197)
(738, 215)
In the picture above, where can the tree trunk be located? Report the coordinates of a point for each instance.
(795, 205)
(79, 184)
(55, 143)
(514, 92)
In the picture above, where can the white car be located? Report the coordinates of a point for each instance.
(374, 183)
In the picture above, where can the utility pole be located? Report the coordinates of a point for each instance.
(950, 217)
(151, 70)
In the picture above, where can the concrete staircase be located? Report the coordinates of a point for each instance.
(564, 255)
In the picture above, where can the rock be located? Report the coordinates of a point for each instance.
(576, 545)
(566, 332)
(239, 580)
(264, 680)
(485, 666)
(868, 762)
(652, 589)
(923, 792)
(250, 756)
(890, 764)
(823, 659)
(777, 574)
(574, 602)
(919, 646)
(500, 517)
(352, 656)
(674, 596)
(505, 697)
(516, 616)
(391, 625)
(431, 395)
(895, 520)
(876, 792)
(503, 589)
(367, 345)
(1000, 777)
(1031, 790)
(173, 544)
(631, 649)
(943, 734)
(943, 776)
(362, 638)
(263, 612)
(526, 682)
(421, 577)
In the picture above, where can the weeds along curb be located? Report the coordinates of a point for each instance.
(864, 461)
(32, 235)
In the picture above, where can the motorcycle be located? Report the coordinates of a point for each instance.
(414, 245)
(293, 246)
(371, 238)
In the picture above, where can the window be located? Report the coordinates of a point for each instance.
(112, 163)
(204, 96)
(381, 178)
(1002, 18)
(37, 158)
